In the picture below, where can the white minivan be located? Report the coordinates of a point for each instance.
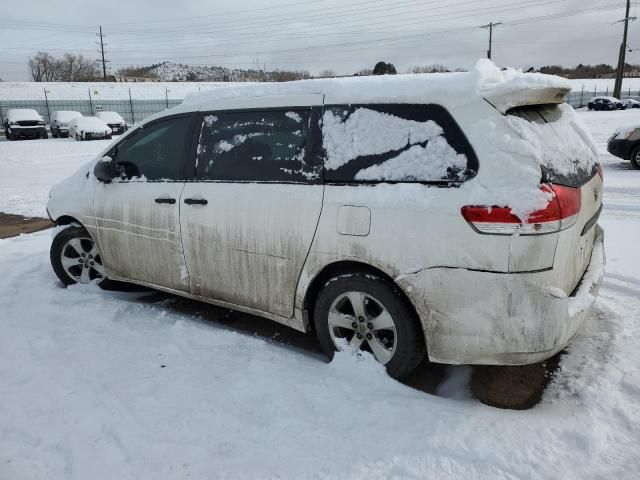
(446, 216)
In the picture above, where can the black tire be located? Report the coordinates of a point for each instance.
(410, 347)
(44, 135)
(54, 134)
(8, 135)
(635, 158)
(60, 243)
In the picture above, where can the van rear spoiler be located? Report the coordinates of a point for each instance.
(507, 99)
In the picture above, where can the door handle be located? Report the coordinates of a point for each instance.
(195, 201)
(170, 201)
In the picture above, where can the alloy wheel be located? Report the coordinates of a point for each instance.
(81, 260)
(364, 323)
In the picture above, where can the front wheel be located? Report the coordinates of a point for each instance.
(366, 312)
(635, 158)
(75, 257)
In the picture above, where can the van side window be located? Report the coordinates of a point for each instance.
(395, 143)
(258, 146)
(155, 152)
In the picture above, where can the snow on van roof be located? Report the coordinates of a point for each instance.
(484, 80)
(20, 114)
(65, 115)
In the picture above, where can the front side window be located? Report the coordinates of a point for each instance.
(257, 146)
(394, 143)
(154, 152)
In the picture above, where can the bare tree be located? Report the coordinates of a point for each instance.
(364, 72)
(433, 68)
(326, 74)
(77, 68)
(44, 67)
(287, 75)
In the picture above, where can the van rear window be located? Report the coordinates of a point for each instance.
(394, 143)
(556, 138)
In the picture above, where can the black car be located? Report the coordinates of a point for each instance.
(24, 123)
(625, 144)
(605, 103)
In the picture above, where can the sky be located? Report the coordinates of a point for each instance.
(315, 35)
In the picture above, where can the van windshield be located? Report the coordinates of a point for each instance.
(554, 135)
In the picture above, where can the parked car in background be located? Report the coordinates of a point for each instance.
(24, 123)
(115, 122)
(372, 168)
(631, 103)
(60, 122)
(625, 144)
(89, 128)
(605, 103)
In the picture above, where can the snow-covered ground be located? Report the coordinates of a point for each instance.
(107, 385)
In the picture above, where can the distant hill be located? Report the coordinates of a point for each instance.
(179, 72)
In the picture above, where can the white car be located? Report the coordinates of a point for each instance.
(89, 128)
(452, 217)
(24, 123)
(115, 122)
(60, 122)
(630, 103)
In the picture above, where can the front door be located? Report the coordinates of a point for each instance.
(138, 215)
(249, 218)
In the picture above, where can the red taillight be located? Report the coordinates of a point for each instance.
(561, 212)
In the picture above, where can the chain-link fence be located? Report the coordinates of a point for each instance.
(134, 111)
(131, 110)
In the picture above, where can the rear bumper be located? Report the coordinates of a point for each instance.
(472, 317)
(96, 136)
(117, 129)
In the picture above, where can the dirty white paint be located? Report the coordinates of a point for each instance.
(258, 246)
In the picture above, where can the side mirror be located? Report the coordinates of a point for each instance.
(105, 171)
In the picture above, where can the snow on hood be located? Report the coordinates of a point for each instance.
(22, 114)
(110, 117)
(90, 124)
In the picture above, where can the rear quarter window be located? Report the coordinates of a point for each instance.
(395, 143)
(556, 138)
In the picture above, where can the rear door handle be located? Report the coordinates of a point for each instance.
(170, 201)
(195, 201)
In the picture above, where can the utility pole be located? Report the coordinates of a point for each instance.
(104, 62)
(490, 27)
(621, 57)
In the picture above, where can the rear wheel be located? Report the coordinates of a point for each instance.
(635, 158)
(365, 312)
(75, 257)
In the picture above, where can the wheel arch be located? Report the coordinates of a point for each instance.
(343, 267)
(66, 220)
